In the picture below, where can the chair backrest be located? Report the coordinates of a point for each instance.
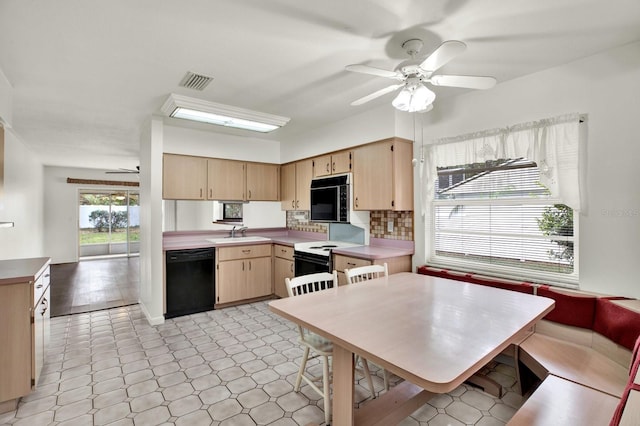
(310, 283)
(364, 273)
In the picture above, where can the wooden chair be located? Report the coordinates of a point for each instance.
(364, 273)
(312, 342)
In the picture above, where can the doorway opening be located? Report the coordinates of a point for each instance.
(109, 224)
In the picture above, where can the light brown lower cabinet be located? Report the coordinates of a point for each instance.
(394, 264)
(24, 336)
(282, 268)
(243, 272)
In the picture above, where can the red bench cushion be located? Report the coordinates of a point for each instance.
(635, 361)
(617, 323)
(576, 310)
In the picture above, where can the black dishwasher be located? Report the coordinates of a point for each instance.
(190, 281)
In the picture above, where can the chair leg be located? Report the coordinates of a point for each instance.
(367, 374)
(325, 382)
(303, 365)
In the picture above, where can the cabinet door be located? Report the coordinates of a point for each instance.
(226, 180)
(283, 268)
(341, 162)
(16, 338)
(263, 181)
(288, 186)
(304, 174)
(184, 177)
(373, 177)
(41, 327)
(322, 166)
(341, 262)
(258, 275)
(231, 281)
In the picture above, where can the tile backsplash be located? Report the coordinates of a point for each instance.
(299, 221)
(402, 224)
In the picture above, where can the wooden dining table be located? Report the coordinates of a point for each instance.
(433, 332)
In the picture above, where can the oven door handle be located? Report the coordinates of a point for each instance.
(314, 261)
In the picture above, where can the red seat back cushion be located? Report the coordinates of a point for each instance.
(617, 323)
(635, 360)
(575, 310)
(514, 286)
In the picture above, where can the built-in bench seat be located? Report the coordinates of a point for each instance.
(581, 351)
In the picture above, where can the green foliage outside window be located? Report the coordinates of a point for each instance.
(558, 221)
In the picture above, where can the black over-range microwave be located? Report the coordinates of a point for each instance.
(330, 198)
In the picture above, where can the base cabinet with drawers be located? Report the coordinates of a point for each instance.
(394, 264)
(24, 326)
(282, 268)
(243, 272)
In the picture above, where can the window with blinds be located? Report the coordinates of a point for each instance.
(496, 216)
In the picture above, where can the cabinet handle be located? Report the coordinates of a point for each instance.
(249, 265)
(297, 203)
(333, 166)
(292, 268)
(243, 266)
(293, 204)
(47, 275)
(45, 302)
(200, 192)
(210, 193)
(356, 202)
(351, 264)
(327, 167)
(246, 251)
(39, 286)
(249, 194)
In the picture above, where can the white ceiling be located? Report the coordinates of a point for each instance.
(88, 73)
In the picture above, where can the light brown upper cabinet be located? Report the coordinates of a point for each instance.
(184, 177)
(226, 180)
(383, 175)
(331, 164)
(263, 182)
(295, 185)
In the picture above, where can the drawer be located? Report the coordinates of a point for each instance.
(41, 284)
(340, 262)
(284, 252)
(244, 252)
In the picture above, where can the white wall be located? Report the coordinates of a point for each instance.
(21, 201)
(61, 201)
(370, 126)
(606, 87)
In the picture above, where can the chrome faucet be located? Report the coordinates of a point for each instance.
(242, 229)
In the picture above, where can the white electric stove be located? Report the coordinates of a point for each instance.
(313, 257)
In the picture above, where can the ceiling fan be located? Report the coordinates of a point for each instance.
(125, 171)
(413, 74)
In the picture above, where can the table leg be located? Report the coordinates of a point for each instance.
(343, 387)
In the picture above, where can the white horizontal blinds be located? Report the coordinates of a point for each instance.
(494, 213)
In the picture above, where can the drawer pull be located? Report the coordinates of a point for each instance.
(47, 275)
(351, 264)
(39, 286)
(246, 251)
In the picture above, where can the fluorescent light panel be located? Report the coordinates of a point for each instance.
(222, 115)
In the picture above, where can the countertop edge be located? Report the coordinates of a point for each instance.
(25, 276)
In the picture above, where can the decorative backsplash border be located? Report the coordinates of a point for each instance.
(402, 224)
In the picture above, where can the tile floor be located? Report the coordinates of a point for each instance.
(234, 366)
(91, 285)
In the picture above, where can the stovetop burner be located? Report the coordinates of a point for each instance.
(322, 248)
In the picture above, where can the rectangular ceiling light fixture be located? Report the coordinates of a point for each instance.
(178, 106)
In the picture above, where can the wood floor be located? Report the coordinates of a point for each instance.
(92, 285)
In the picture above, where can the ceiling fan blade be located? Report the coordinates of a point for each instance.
(365, 69)
(466, 81)
(377, 94)
(443, 54)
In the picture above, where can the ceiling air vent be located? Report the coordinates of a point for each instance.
(195, 81)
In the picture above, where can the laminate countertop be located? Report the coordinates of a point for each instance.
(16, 271)
(377, 249)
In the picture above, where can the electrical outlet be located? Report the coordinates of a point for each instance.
(390, 226)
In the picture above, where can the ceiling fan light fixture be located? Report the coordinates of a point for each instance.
(178, 106)
(415, 98)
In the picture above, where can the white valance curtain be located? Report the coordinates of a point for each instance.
(552, 143)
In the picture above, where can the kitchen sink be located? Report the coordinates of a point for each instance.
(228, 240)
